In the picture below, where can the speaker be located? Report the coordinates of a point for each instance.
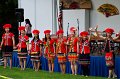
(19, 13)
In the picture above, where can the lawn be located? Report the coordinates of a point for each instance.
(16, 73)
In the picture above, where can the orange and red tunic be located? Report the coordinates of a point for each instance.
(61, 49)
(49, 48)
(73, 44)
(72, 55)
(61, 45)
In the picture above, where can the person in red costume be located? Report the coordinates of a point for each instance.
(61, 50)
(109, 47)
(36, 50)
(23, 47)
(72, 50)
(49, 50)
(7, 44)
(84, 53)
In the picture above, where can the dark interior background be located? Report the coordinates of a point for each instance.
(7, 15)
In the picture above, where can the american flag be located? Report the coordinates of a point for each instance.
(59, 14)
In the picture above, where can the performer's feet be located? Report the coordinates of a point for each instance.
(4, 67)
(75, 74)
(109, 77)
(50, 71)
(63, 72)
(10, 67)
(72, 74)
(37, 69)
(114, 76)
(23, 68)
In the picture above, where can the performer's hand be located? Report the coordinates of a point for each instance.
(90, 29)
(64, 54)
(40, 54)
(14, 47)
(44, 55)
(55, 55)
(119, 33)
(96, 27)
(28, 52)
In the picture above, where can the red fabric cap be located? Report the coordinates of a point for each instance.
(60, 32)
(7, 26)
(84, 33)
(109, 30)
(47, 31)
(36, 31)
(72, 29)
(21, 28)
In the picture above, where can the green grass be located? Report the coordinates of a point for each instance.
(16, 73)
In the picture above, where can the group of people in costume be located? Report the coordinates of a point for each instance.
(74, 48)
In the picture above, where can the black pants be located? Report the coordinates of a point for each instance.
(85, 70)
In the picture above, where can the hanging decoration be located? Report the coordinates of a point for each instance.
(76, 4)
(108, 10)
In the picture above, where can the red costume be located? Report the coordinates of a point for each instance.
(109, 59)
(35, 47)
(7, 39)
(72, 55)
(84, 53)
(49, 46)
(36, 44)
(61, 47)
(84, 45)
(23, 40)
(73, 44)
(22, 46)
(108, 49)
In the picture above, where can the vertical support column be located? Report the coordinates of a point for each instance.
(19, 3)
(54, 21)
(87, 19)
(35, 13)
